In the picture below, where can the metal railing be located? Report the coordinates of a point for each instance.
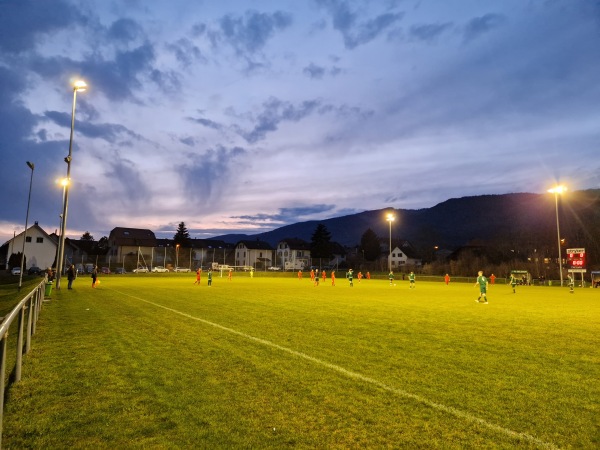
(31, 303)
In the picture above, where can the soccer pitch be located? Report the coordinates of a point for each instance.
(154, 361)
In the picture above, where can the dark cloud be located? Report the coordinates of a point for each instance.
(276, 111)
(478, 26)
(186, 52)
(117, 79)
(429, 32)
(357, 30)
(318, 72)
(189, 141)
(125, 30)
(205, 122)
(208, 171)
(107, 131)
(134, 192)
(314, 71)
(288, 215)
(249, 34)
(24, 22)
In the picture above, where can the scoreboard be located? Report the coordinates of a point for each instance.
(576, 258)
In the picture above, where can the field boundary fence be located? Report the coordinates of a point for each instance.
(25, 314)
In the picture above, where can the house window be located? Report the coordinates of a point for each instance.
(260, 254)
(299, 254)
(40, 240)
(28, 239)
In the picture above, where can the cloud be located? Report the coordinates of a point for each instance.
(107, 131)
(23, 23)
(479, 26)
(206, 122)
(276, 111)
(186, 52)
(250, 34)
(117, 79)
(203, 176)
(428, 32)
(357, 32)
(314, 71)
(285, 216)
(125, 30)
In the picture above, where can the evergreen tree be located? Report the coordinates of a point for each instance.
(320, 245)
(87, 236)
(103, 243)
(370, 245)
(182, 237)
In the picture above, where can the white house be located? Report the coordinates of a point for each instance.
(404, 256)
(40, 247)
(292, 253)
(257, 254)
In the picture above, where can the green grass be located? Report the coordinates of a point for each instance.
(153, 361)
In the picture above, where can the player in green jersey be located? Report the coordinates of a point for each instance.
(411, 279)
(482, 282)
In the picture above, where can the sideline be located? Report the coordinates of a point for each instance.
(357, 376)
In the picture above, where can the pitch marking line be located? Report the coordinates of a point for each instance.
(357, 376)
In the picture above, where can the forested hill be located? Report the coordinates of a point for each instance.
(518, 220)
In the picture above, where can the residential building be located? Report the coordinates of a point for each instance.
(258, 254)
(292, 254)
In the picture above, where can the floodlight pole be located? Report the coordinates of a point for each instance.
(31, 166)
(558, 190)
(558, 235)
(390, 219)
(79, 86)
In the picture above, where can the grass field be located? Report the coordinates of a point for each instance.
(153, 361)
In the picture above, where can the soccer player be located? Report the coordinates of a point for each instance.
(209, 276)
(316, 282)
(368, 275)
(411, 278)
(493, 279)
(300, 274)
(447, 279)
(229, 274)
(482, 282)
(359, 276)
(349, 276)
(324, 275)
(571, 283)
(312, 275)
(513, 283)
(198, 276)
(391, 277)
(333, 277)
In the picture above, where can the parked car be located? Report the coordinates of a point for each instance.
(159, 269)
(120, 270)
(34, 270)
(16, 271)
(181, 269)
(274, 268)
(105, 270)
(141, 269)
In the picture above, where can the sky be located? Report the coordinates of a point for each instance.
(245, 116)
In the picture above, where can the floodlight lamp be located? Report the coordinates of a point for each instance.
(63, 182)
(558, 189)
(390, 217)
(31, 165)
(79, 86)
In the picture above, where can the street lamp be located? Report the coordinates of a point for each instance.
(390, 218)
(558, 190)
(31, 166)
(177, 256)
(78, 86)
